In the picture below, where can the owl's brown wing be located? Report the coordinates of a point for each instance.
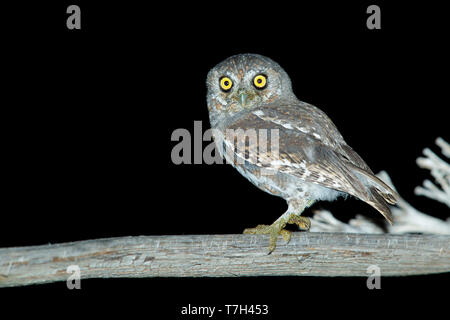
(314, 122)
(311, 148)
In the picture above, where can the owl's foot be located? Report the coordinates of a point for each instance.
(274, 230)
(277, 228)
(303, 222)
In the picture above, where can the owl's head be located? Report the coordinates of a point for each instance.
(244, 82)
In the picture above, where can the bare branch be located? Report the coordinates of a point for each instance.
(440, 170)
(445, 147)
(309, 254)
(408, 219)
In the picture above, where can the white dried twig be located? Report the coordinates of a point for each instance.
(440, 170)
(407, 219)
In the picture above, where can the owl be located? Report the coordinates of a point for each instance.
(303, 157)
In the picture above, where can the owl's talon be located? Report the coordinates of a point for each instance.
(286, 234)
(303, 223)
(277, 228)
(274, 230)
(259, 229)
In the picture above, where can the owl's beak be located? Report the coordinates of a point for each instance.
(243, 98)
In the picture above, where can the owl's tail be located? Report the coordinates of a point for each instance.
(379, 194)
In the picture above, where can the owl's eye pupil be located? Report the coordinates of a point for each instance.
(226, 83)
(259, 80)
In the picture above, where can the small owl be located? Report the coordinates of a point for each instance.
(312, 162)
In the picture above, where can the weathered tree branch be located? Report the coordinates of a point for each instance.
(310, 254)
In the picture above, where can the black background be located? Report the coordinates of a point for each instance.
(90, 113)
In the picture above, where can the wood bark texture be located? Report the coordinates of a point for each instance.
(307, 254)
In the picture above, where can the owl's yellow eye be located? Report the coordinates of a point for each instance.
(260, 81)
(225, 83)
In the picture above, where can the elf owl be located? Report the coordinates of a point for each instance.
(312, 162)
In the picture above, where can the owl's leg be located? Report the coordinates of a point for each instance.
(291, 216)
